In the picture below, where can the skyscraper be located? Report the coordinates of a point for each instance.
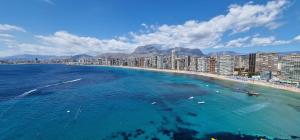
(290, 68)
(187, 62)
(173, 59)
(212, 65)
(160, 61)
(252, 63)
(267, 62)
(203, 64)
(226, 65)
(193, 64)
(154, 61)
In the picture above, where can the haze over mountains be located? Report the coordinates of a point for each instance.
(141, 51)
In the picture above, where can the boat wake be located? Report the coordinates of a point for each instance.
(15, 100)
(252, 108)
(51, 85)
(71, 81)
(27, 93)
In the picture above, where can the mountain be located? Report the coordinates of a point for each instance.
(150, 50)
(29, 57)
(187, 51)
(223, 53)
(147, 50)
(113, 55)
(80, 56)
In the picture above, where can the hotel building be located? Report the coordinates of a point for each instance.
(203, 64)
(267, 62)
(290, 68)
(226, 65)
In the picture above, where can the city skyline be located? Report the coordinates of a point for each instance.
(56, 28)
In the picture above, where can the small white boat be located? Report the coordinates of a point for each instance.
(153, 103)
(191, 97)
(201, 102)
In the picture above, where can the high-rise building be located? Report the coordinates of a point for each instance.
(167, 62)
(173, 59)
(212, 65)
(226, 65)
(154, 61)
(160, 62)
(241, 64)
(147, 62)
(252, 64)
(290, 68)
(203, 64)
(180, 63)
(187, 62)
(267, 62)
(193, 64)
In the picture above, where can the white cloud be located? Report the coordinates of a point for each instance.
(6, 35)
(240, 42)
(196, 34)
(8, 28)
(191, 34)
(297, 38)
(76, 44)
(254, 41)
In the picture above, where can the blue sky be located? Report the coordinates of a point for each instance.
(68, 27)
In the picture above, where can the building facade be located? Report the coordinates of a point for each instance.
(226, 65)
(203, 64)
(173, 59)
(267, 62)
(290, 68)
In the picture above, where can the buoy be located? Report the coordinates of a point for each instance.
(217, 91)
(207, 85)
(68, 111)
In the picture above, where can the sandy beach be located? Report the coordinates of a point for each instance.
(260, 83)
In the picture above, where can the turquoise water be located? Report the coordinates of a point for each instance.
(85, 103)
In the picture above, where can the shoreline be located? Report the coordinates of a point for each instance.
(220, 77)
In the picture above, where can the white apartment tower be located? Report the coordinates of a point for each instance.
(226, 65)
(203, 63)
(173, 59)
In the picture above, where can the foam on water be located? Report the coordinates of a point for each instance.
(252, 108)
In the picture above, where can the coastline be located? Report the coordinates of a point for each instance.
(220, 77)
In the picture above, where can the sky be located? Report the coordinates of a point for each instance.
(70, 27)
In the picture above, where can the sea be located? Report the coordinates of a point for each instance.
(65, 102)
